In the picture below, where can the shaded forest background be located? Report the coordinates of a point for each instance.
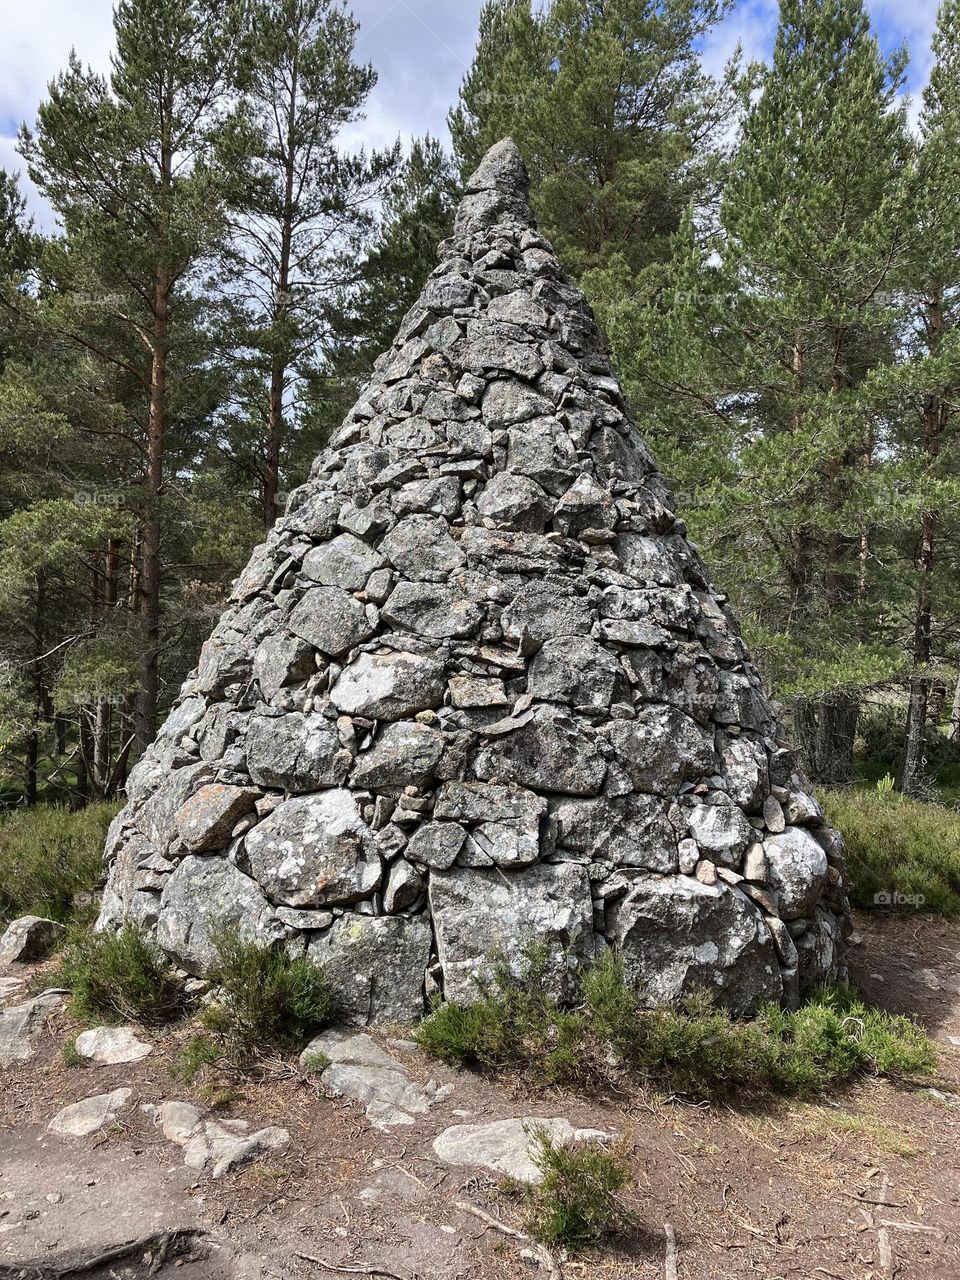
(774, 256)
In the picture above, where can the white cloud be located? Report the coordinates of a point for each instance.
(35, 42)
(421, 49)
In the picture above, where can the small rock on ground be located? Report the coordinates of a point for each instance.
(29, 938)
(220, 1145)
(361, 1070)
(89, 1115)
(505, 1145)
(21, 1024)
(112, 1045)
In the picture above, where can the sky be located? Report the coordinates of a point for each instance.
(420, 48)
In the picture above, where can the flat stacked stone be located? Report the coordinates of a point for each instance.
(477, 691)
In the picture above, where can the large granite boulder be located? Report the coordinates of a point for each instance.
(476, 694)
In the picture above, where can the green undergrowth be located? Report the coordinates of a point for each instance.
(901, 853)
(265, 999)
(118, 977)
(697, 1051)
(578, 1199)
(51, 861)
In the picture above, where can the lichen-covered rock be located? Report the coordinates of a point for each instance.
(720, 828)
(476, 691)
(314, 851)
(206, 820)
(483, 918)
(548, 751)
(295, 752)
(579, 672)
(389, 686)
(21, 1025)
(798, 870)
(202, 896)
(678, 936)
(662, 749)
(331, 620)
(434, 610)
(376, 966)
(403, 755)
(344, 562)
(625, 831)
(282, 660)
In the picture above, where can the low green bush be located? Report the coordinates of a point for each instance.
(265, 998)
(900, 851)
(198, 1052)
(48, 856)
(698, 1051)
(578, 1200)
(118, 977)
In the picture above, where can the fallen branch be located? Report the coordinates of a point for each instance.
(910, 1226)
(350, 1271)
(543, 1254)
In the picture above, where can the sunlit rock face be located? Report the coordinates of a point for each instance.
(476, 691)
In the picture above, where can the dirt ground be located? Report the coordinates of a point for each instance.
(861, 1185)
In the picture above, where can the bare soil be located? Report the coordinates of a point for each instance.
(861, 1185)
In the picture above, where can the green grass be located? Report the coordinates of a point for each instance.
(265, 999)
(118, 977)
(577, 1202)
(698, 1051)
(48, 856)
(898, 846)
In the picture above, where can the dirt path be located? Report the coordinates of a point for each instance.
(863, 1185)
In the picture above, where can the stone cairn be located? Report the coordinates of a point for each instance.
(476, 692)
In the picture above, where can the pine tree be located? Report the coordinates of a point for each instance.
(609, 104)
(127, 165)
(302, 205)
(18, 250)
(927, 438)
(753, 368)
(417, 213)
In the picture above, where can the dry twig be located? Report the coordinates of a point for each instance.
(543, 1254)
(377, 1272)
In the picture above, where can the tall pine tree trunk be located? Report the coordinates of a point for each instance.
(953, 733)
(911, 762)
(838, 712)
(276, 423)
(151, 551)
(39, 698)
(105, 599)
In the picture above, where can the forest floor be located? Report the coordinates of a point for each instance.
(861, 1185)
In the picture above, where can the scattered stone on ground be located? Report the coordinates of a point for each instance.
(29, 938)
(90, 1114)
(507, 1146)
(112, 1045)
(218, 1146)
(20, 1025)
(359, 1069)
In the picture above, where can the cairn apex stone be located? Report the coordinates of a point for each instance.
(476, 694)
(501, 169)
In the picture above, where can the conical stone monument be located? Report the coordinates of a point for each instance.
(477, 692)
